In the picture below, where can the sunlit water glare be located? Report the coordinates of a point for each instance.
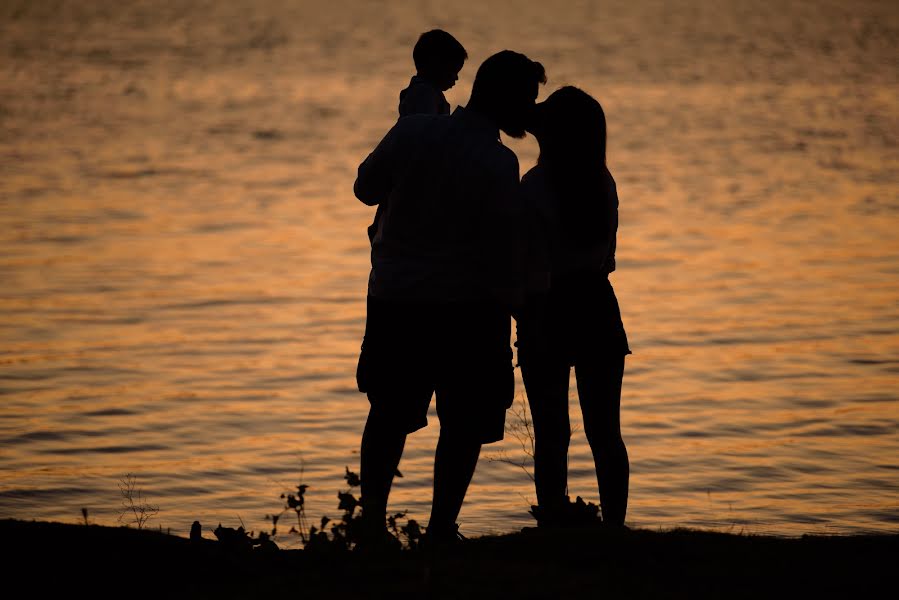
(183, 264)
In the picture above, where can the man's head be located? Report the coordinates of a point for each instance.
(438, 58)
(505, 89)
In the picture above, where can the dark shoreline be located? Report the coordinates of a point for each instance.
(94, 561)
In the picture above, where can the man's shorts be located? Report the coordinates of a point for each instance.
(460, 351)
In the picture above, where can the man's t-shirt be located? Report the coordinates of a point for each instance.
(451, 227)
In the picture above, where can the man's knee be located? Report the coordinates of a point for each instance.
(460, 437)
(383, 422)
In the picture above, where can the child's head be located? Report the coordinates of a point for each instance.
(438, 58)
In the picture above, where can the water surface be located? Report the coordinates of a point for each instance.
(183, 264)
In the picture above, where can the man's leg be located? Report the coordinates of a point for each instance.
(382, 448)
(472, 369)
(454, 465)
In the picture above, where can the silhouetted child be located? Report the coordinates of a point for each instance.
(438, 58)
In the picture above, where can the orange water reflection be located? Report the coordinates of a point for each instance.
(184, 266)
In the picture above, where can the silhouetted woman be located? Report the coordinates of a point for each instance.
(571, 317)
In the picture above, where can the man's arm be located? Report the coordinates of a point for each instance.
(375, 177)
(505, 236)
(536, 245)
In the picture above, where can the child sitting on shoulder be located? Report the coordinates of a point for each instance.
(438, 58)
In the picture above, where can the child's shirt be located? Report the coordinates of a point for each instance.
(422, 98)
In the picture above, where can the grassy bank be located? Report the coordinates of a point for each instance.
(92, 561)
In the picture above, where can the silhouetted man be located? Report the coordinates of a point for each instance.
(445, 275)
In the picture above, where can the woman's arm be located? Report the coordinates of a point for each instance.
(609, 265)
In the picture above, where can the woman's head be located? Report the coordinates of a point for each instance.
(570, 127)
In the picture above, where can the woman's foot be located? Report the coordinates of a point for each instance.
(567, 514)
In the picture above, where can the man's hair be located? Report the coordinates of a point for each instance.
(435, 50)
(505, 87)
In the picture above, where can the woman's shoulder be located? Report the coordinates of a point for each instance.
(538, 197)
(535, 186)
(535, 175)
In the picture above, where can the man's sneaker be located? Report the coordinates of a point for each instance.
(435, 541)
(376, 542)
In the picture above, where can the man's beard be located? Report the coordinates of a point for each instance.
(515, 132)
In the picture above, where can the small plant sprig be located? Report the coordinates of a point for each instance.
(520, 427)
(295, 502)
(134, 506)
(238, 540)
(345, 534)
(409, 534)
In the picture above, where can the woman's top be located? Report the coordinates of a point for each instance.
(550, 251)
(571, 314)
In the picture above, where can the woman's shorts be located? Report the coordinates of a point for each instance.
(578, 321)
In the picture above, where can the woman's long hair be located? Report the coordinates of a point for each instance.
(571, 130)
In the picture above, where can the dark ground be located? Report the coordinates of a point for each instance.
(72, 561)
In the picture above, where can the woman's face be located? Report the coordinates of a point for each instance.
(568, 120)
(537, 122)
(549, 124)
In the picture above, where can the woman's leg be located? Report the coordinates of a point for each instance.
(599, 391)
(547, 389)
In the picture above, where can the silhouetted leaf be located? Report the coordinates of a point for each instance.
(352, 479)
